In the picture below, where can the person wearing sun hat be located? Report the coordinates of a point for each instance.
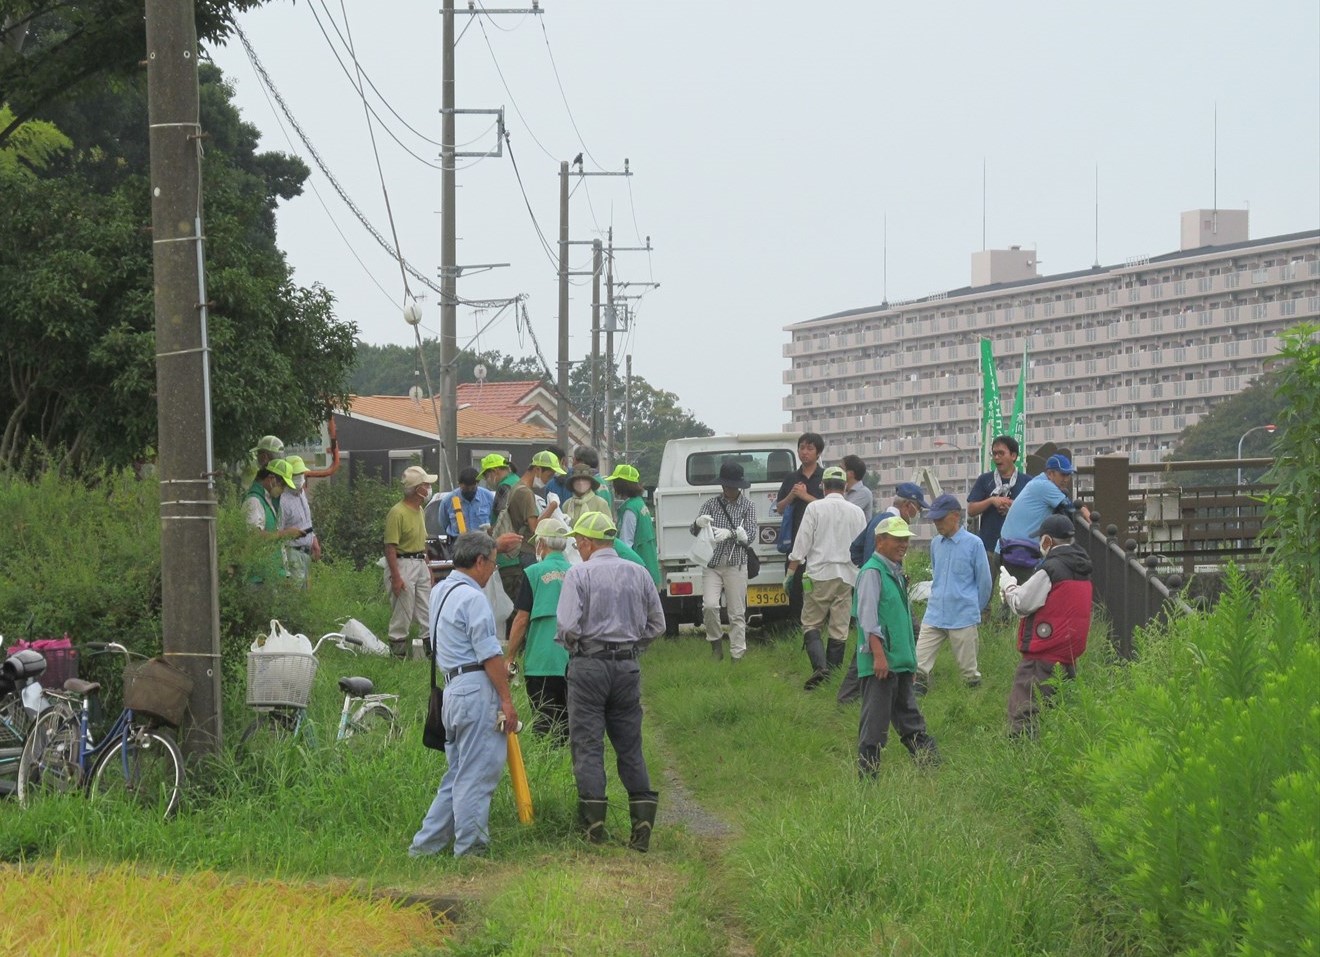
(583, 486)
(296, 513)
(268, 447)
(636, 526)
(731, 517)
(609, 610)
(887, 653)
(534, 625)
(407, 573)
(822, 546)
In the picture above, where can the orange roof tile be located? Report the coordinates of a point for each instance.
(504, 399)
(402, 411)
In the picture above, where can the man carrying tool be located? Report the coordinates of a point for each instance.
(609, 610)
(467, 507)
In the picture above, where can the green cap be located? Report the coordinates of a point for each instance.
(625, 472)
(296, 463)
(547, 460)
(269, 443)
(281, 468)
(834, 474)
(595, 525)
(894, 527)
(494, 461)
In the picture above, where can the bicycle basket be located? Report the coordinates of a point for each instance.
(280, 679)
(61, 659)
(156, 689)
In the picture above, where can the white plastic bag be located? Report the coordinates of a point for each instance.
(500, 602)
(352, 628)
(282, 641)
(703, 548)
(920, 591)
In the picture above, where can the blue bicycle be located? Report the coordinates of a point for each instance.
(133, 762)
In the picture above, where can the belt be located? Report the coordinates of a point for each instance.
(304, 548)
(410, 554)
(617, 652)
(464, 669)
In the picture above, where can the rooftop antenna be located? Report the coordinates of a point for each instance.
(1214, 218)
(982, 204)
(885, 261)
(1096, 264)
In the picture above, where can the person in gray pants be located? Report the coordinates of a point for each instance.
(609, 610)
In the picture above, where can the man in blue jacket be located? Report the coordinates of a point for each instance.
(960, 588)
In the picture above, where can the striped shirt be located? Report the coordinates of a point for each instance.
(739, 514)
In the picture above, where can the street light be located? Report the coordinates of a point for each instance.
(952, 445)
(1256, 428)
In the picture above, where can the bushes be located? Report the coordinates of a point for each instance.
(350, 519)
(1201, 777)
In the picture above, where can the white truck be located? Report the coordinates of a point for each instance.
(689, 475)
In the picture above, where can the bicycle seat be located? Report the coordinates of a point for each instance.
(357, 687)
(78, 686)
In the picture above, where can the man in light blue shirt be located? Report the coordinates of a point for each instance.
(1047, 494)
(960, 589)
(470, 500)
(476, 695)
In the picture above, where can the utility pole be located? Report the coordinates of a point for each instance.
(597, 255)
(611, 320)
(561, 433)
(627, 412)
(190, 604)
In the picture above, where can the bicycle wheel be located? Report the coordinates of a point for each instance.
(143, 768)
(371, 727)
(271, 731)
(49, 762)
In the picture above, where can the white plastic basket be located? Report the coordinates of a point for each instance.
(279, 679)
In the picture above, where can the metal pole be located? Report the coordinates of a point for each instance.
(562, 416)
(627, 414)
(190, 604)
(597, 255)
(609, 351)
(448, 251)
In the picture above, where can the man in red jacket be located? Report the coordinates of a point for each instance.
(1055, 607)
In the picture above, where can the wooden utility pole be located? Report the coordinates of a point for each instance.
(190, 605)
(448, 255)
(597, 255)
(610, 322)
(561, 433)
(627, 413)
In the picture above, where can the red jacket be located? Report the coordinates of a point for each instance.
(1057, 631)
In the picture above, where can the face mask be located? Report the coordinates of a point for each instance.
(298, 482)
(538, 482)
(469, 496)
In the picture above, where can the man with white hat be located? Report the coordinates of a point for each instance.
(407, 574)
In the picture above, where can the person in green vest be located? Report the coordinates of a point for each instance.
(887, 653)
(544, 661)
(268, 447)
(636, 527)
(261, 510)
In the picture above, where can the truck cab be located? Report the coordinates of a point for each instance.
(689, 475)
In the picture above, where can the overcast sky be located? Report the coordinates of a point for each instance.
(768, 143)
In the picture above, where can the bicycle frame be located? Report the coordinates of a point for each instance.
(350, 700)
(89, 751)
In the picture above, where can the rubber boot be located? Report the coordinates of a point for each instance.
(816, 655)
(834, 653)
(717, 649)
(642, 807)
(591, 818)
(868, 762)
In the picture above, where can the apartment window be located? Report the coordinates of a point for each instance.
(1232, 280)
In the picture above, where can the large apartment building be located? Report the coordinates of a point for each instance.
(1121, 358)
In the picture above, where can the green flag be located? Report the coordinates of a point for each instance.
(1019, 431)
(991, 417)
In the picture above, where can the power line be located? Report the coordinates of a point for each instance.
(545, 244)
(563, 96)
(494, 59)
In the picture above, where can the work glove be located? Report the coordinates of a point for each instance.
(703, 521)
(1005, 579)
(788, 580)
(721, 534)
(741, 535)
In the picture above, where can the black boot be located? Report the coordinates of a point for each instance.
(816, 655)
(717, 649)
(834, 653)
(868, 762)
(642, 807)
(591, 818)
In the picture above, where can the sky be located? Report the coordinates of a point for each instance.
(790, 160)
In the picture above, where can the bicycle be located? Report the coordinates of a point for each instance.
(22, 699)
(133, 760)
(278, 722)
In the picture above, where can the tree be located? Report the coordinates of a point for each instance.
(1217, 433)
(394, 369)
(76, 322)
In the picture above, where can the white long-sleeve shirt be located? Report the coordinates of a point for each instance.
(824, 540)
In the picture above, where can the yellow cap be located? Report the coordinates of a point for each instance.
(626, 472)
(493, 461)
(595, 525)
(547, 460)
(296, 463)
(894, 527)
(281, 468)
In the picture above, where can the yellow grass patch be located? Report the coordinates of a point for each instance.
(118, 910)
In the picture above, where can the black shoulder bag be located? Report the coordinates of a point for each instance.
(433, 732)
(753, 559)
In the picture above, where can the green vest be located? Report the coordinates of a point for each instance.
(258, 492)
(542, 656)
(274, 564)
(626, 552)
(605, 493)
(644, 538)
(895, 616)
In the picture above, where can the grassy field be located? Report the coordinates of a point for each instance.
(981, 855)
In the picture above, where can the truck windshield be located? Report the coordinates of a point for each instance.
(759, 465)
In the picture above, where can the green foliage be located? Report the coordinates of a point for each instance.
(393, 369)
(350, 519)
(30, 148)
(1217, 433)
(76, 320)
(1201, 777)
(1293, 520)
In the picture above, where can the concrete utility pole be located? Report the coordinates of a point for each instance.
(561, 434)
(627, 413)
(610, 322)
(190, 604)
(448, 252)
(597, 255)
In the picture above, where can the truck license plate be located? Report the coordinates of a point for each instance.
(765, 596)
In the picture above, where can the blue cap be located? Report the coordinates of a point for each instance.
(942, 506)
(1059, 463)
(912, 492)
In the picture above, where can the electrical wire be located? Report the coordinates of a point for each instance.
(564, 97)
(545, 244)
(505, 84)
